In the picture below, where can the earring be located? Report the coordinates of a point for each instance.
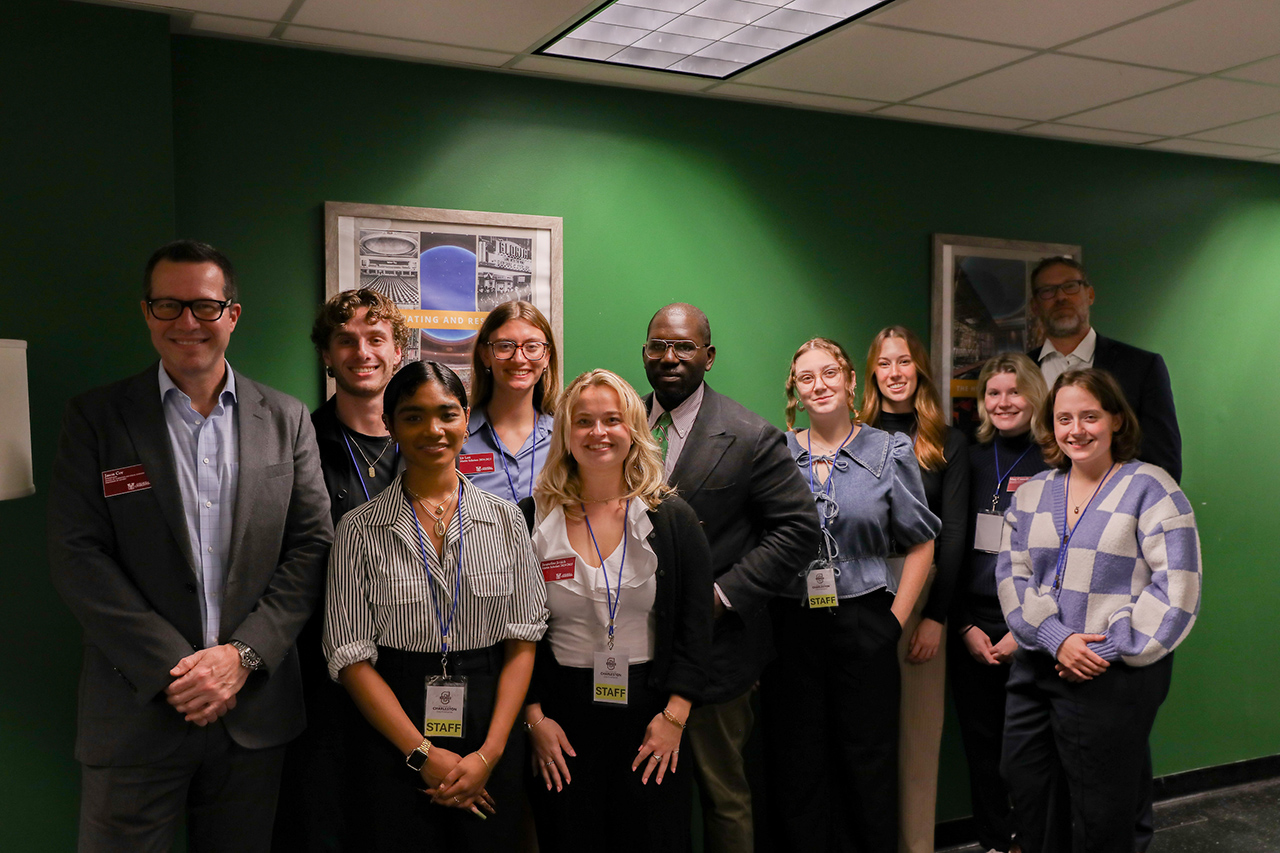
(800, 406)
(328, 371)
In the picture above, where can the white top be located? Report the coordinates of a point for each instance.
(682, 418)
(579, 623)
(1053, 363)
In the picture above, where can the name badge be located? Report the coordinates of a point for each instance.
(820, 585)
(559, 569)
(1014, 482)
(476, 463)
(446, 702)
(987, 532)
(122, 481)
(612, 672)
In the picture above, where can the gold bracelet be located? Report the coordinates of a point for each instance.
(485, 760)
(673, 719)
(528, 727)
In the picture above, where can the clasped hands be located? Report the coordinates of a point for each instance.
(1077, 662)
(457, 781)
(206, 683)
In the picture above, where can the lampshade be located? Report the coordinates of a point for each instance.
(15, 422)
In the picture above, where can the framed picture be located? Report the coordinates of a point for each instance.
(446, 269)
(981, 294)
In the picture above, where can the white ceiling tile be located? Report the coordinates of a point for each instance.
(1202, 36)
(1035, 23)
(673, 43)
(1066, 131)
(730, 10)
(835, 8)
(858, 61)
(1048, 86)
(797, 22)
(608, 33)
(584, 49)
(804, 99)
(357, 43)
(762, 37)
(1216, 149)
(662, 5)
(911, 113)
(703, 28)
(494, 24)
(612, 74)
(1266, 71)
(647, 58)
(1189, 108)
(1261, 131)
(708, 66)
(232, 26)
(633, 16)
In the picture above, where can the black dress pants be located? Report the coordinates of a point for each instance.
(829, 707)
(1094, 735)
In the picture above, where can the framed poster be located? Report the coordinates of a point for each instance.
(446, 269)
(981, 295)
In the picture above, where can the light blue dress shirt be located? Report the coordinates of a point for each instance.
(513, 474)
(206, 455)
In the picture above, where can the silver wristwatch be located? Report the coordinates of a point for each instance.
(249, 659)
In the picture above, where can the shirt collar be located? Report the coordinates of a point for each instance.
(228, 388)
(683, 415)
(1084, 351)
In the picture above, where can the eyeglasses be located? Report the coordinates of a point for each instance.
(533, 350)
(1068, 288)
(656, 348)
(202, 309)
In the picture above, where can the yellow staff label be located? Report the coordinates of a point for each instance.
(609, 693)
(423, 319)
(822, 601)
(442, 728)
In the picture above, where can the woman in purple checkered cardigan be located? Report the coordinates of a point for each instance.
(1099, 579)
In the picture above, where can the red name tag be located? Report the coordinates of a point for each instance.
(476, 463)
(558, 570)
(1014, 482)
(122, 481)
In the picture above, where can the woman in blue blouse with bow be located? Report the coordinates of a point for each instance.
(830, 701)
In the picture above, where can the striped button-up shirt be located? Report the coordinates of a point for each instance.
(206, 455)
(380, 591)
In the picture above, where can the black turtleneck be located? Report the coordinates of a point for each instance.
(979, 604)
(947, 490)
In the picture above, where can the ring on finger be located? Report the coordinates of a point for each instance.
(548, 763)
(656, 757)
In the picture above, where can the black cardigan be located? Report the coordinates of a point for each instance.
(682, 603)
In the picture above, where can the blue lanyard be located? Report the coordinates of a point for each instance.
(612, 600)
(1067, 535)
(457, 587)
(533, 458)
(995, 496)
(356, 465)
(826, 486)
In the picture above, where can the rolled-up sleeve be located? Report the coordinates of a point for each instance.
(909, 513)
(349, 634)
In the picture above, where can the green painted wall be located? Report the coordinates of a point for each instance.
(782, 224)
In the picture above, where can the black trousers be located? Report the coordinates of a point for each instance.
(829, 709)
(978, 690)
(605, 807)
(395, 815)
(1095, 736)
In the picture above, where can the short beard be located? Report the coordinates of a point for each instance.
(1072, 327)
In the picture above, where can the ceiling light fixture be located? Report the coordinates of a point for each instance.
(703, 38)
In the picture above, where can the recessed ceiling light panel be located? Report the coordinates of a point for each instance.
(704, 38)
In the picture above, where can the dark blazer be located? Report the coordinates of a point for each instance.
(681, 604)
(759, 518)
(124, 566)
(1143, 377)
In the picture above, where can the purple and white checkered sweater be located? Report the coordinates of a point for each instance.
(1132, 570)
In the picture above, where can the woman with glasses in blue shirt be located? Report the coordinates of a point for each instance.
(830, 701)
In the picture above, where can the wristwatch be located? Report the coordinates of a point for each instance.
(249, 659)
(418, 758)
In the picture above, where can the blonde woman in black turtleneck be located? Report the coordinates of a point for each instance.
(1011, 391)
(900, 396)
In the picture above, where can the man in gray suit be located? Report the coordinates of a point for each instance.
(188, 528)
(733, 468)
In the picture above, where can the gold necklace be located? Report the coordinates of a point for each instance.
(373, 471)
(437, 512)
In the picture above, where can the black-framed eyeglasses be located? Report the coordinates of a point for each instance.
(1069, 288)
(201, 309)
(533, 350)
(656, 348)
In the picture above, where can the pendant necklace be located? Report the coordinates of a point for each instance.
(434, 510)
(373, 471)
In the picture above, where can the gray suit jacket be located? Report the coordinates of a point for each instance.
(759, 518)
(124, 566)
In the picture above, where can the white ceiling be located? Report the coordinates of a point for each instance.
(1194, 76)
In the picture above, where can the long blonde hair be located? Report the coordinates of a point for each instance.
(842, 358)
(931, 427)
(1030, 385)
(642, 470)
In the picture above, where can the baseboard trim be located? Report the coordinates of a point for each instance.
(960, 832)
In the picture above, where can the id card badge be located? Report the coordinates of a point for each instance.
(446, 704)
(986, 534)
(820, 585)
(612, 670)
